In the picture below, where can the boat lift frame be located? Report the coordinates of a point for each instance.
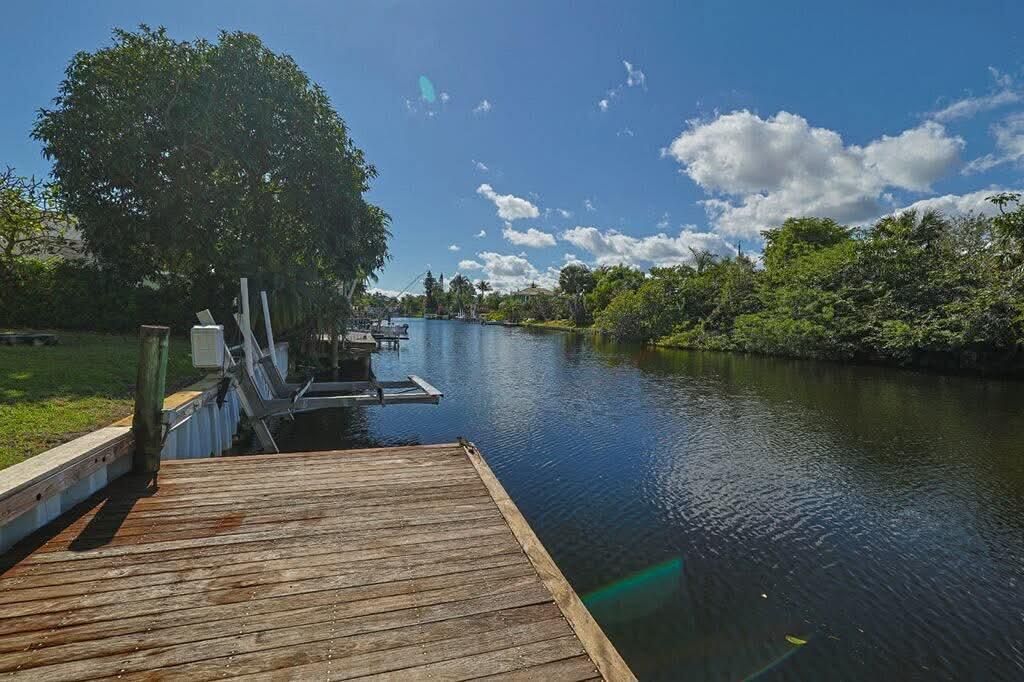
(288, 399)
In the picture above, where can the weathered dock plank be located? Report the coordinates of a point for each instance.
(397, 563)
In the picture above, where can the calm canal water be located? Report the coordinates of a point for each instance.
(708, 505)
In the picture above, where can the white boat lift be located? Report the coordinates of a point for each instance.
(264, 392)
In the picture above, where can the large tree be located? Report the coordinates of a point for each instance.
(203, 161)
(576, 281)
(431, 293)
(461, 293)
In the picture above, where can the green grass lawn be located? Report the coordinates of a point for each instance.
(51, 394)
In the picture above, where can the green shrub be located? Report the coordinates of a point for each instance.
(76, 295)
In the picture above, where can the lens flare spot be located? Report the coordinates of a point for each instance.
(427, 90)
(636, 595)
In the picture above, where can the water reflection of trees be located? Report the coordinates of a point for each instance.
(888, 420)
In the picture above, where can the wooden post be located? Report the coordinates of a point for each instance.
(149, 397)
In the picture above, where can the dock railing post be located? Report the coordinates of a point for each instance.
(149, 397)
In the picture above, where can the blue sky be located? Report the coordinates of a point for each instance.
(613, 132)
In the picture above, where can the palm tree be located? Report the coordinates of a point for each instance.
(483, 286)
(460, 289)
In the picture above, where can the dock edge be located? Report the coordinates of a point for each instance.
(597, 645)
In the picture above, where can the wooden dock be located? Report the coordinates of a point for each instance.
(397, 563)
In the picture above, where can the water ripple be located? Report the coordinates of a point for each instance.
(877, 514)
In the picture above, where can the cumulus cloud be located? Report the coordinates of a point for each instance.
(960, 204)
(507, 272)
(481, 234)
(634, 78)
(470, 265)
(393, 293)
(762, 171)
(589, 205)
(480, 166)
(483, 107)
(611, 247)
(510, 207)
(915, 158)
(453, 247)
(1009, 135)
(1004, 92)
(532, 237)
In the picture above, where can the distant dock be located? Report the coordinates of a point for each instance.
(399, 563)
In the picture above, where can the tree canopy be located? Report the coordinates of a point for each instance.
(914, 288)
(206, 161)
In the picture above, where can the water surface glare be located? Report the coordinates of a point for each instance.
(708, 505)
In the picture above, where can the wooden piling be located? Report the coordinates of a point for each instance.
(149, 397)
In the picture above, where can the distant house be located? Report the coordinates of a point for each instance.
(60, 239)
(530, 292)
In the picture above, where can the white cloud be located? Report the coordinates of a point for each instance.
(762, 171)
(469, 265)
(483, 107)
(625, 132)
(1009, 134)
(481, 234)
(393, 293)
(453, 247)
(589, 205)
(508, 272)
(444, 98)
(634, 77)
(1005, 92)
(532, 237)
(509, 207)
(915, 158)
(480, 166)
(959, 204)
(612, 247)
(559, 211)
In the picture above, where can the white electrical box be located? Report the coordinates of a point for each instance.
(208, 346)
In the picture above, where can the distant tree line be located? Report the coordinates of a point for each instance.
(915, 288)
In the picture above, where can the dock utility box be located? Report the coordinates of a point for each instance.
(208, 346)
